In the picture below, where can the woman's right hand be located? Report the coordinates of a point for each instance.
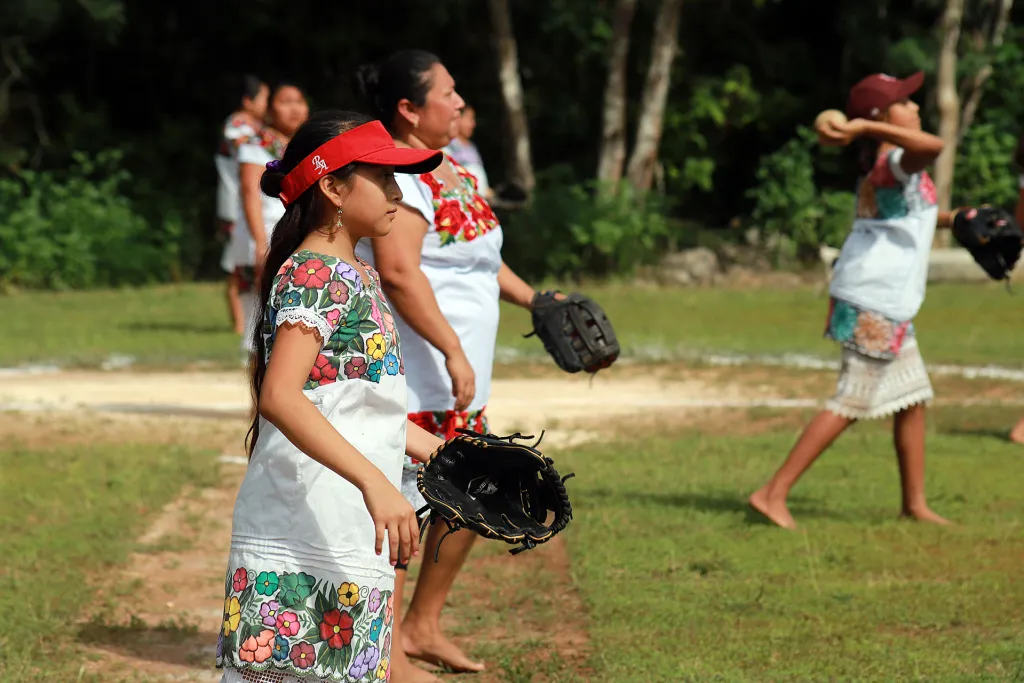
(392, 513)
(463, 379)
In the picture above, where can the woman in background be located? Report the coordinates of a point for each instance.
(243, 124)
(258, 213)
(465, 153)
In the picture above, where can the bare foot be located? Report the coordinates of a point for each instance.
(775, 510)
(924, 515)
(404, 671)
(1017, 433)
(433, 647)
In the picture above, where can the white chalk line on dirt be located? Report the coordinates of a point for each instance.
(185, 410)
(798, 361)
(505, 355)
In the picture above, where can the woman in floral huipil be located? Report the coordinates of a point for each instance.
(442, 269)
(257, 212)
(242, 125)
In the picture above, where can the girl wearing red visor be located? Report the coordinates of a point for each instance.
(319, 522)
(877, 288)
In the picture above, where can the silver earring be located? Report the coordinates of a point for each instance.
(338, 224)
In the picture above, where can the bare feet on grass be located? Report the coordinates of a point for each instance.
(1017, 433)
(773, 508)
(924, 514)
(404, 671)
(433, 647)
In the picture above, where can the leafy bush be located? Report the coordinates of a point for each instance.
(984, 168)
(573, 230)
(788, 203)
(76, 230)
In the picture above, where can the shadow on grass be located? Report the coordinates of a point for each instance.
(720, 503)
(178, 644)
(169, 326)
(999, 434)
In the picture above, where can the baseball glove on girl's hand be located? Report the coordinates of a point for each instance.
(575, 331)
(992, 237)
(496, 487)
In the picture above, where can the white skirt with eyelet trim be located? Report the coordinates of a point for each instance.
(871, 388)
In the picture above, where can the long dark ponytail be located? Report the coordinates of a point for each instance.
(303, 216)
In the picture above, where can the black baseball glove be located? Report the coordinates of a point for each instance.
(496, 487)
(575, 331)
(992, 237)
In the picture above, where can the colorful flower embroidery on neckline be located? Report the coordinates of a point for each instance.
(460, 213)
(882, 196)
(363, 342)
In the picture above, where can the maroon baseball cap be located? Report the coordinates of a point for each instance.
(874, 94)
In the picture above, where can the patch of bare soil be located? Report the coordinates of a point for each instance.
(157, 618)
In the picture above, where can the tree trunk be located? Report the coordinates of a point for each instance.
(974, 86)
(613, 134)
(949, 107)
(652, 113)
(520, 168)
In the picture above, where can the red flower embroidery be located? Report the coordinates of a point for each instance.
(312, 274)
(285, 266)
(459, 214)
(881, 175)
(466, 175)
(432, 183)
(323, 371)
(927, 188)
(240, 580)
(897, 337)
(336, 629)
(302, 655)
(426, 421)
(449, 216)
(482, 212)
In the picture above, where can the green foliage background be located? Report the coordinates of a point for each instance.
(110, 110)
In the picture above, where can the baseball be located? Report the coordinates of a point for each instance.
(825, 120)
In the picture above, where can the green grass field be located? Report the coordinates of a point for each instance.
(68, 517)
(172, 326)
(683, 583)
